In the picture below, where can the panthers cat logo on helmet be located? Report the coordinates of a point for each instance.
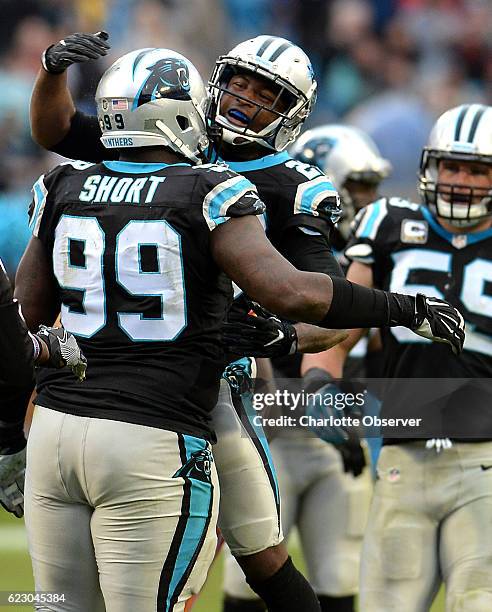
(168, 78)
(314, 148)
(153, 97)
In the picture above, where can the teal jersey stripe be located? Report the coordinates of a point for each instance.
(137, 168)
(40, 192)
(310, 194)
(199, 516)
(223, 198)
(259, 164)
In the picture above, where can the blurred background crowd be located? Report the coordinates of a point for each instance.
(388, 66)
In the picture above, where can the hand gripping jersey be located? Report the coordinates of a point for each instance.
(138, 286)
(410, 252)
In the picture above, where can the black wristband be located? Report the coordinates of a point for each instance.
(354, 306)
(402, 309)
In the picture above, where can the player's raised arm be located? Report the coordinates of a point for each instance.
(52, 108)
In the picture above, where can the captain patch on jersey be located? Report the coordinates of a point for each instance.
(410, 252)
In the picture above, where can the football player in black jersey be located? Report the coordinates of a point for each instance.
(298, 197)
(430, 516)
(321, 484)
(20, 351)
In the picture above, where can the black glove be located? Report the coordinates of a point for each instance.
(73, 49)
(258, 333)
(439, 321)
(353, 456)
(323, 387)
(63, 350)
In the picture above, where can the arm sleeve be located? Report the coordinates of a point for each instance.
(83, 141)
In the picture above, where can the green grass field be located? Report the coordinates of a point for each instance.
(16, 574)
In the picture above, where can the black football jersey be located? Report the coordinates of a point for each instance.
(138, 286)
(301, 204)
(301, 207)
(410, 252)
(296, 195)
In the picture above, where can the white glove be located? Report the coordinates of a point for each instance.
(63, 350)
(12, 474)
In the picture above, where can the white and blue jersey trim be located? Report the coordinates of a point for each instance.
(310, 195)
(196, 511)
(371, 220)
(40, 193)
(222, 197)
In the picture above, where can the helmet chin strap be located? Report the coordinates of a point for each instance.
(181, 147)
